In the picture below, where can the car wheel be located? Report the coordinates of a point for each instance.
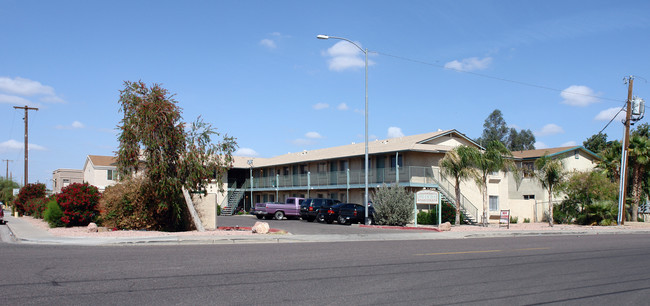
(279, 215)
(320, 218)
(259, 217)
(371, 221)
(342, 220)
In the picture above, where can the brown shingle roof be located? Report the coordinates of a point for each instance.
(406, 143)
(105, 161)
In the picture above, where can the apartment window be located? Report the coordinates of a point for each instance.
(576, 154)
(529, 197)
(343, 165)
(322, 167)
(303, 169)
(399, 160)
(111, 175)
(494, 203)
(285, 171)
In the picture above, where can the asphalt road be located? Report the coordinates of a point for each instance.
(598, 269)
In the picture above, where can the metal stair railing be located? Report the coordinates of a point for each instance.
(466, 206)
(234, 196)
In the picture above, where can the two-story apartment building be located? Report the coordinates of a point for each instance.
(411, 161)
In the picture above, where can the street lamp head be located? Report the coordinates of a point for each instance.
(322, 36)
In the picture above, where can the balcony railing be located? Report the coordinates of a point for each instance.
(417, 176)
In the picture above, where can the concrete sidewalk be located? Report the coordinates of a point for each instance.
(22, 231)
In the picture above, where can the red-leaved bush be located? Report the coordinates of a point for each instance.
(28, 192)
(79, 203)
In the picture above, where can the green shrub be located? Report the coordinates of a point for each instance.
(126, 206)
(596, 213)
(53, 214)
(393, 205)
(79, 202)
(526, 220)
(218, 210)
(448, 215)
(35, 207)
(28, 192)
(514, 219)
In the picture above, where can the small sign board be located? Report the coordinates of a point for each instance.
(16, 191)
(505, 218)
(427, 197)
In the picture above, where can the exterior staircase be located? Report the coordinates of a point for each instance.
(446, 189)
(234, 196)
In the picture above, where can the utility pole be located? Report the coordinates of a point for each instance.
(7, 173)
(26, 108)
(626, 143)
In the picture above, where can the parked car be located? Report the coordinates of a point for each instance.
(328, 214)
(310, 207)
(2, 213)
(355, 213)
(290, 209)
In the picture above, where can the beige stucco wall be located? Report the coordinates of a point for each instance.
(71, 175)
(205, 206)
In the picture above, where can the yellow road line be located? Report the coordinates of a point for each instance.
(482, 251)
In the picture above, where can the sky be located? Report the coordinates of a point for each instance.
(256, 71)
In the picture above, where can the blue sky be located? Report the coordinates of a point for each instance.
(255, 70)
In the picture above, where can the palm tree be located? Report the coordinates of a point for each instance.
(610, 164)
(458, 163)
(495, 158)
(550, 173)
(639, 151)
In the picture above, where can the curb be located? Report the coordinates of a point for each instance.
(402, 227)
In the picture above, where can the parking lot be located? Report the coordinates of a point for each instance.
(302, 227)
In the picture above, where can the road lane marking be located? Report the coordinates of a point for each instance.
(481, 251)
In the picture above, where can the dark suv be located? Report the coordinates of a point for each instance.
(355, 213)
(310, 207)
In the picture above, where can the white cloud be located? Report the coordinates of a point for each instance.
(469, 64)
(13, 145)
(77, 125)
(15, 100)
(540, 145)
(313, 135)
(246, 152)
(395, 132)
(268, 43)
(569, 144)
(26, 87)
(609, 113)
(319, 106)
(74, 125)
(578, 95)
(549, 129)
(345, 55)
(342, 107)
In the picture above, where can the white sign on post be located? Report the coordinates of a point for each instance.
(427, 197)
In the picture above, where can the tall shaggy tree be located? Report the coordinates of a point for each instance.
(550, 173)
(596, 143)
(494, 128)
(154, 142)
(458, 163)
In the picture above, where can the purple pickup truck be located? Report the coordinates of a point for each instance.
(290, 208)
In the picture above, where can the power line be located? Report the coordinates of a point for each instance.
(610, 121)
(493, 77)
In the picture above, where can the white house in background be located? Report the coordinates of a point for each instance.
(64, 177)
(100, 171)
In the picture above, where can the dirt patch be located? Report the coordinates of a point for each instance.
(82, 231)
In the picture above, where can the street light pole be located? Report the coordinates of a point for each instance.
(365, 52)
